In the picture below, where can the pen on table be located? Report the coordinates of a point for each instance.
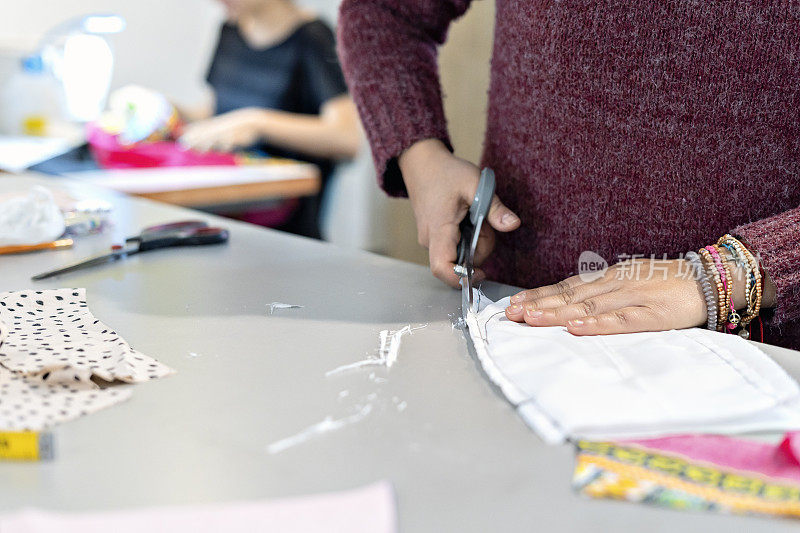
(24, 248)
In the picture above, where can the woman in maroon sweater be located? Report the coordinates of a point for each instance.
(631, 129)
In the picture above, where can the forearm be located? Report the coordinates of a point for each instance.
(308, 134)
(388, 52)
(197, 111)
(419, 156)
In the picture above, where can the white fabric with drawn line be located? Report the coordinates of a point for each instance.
(634, 385)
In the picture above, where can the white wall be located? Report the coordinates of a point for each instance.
(166, 44)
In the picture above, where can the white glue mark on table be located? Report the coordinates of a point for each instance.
(401, 406)
(375, 379)
(193, 354)
(278, 305)
(388, 350)
(351, 366)
(457, 322)
(320, 428)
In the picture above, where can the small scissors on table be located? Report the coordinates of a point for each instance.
(470, 231)
(185, 233)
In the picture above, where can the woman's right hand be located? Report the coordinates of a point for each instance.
(441, 188)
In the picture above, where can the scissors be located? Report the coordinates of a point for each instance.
(470, 231)
(184, 233)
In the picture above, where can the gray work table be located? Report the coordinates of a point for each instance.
(458, 456)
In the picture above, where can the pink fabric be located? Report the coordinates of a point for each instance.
(366, 510)
(790, 448)
(782, 461)
(109, 153)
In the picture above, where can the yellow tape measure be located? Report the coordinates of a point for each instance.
(25, 446)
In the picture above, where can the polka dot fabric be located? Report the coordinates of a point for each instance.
(51, 347)
(28, 403)
(3, 329)
(54, 330)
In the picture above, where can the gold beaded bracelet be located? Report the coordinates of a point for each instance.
(753, 281)
(732, 316)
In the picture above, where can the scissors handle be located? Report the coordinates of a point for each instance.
(483, 197)
(183, 225)
(192, 237)
(478, 211)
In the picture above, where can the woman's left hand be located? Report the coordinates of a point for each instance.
(236, 129)
(632, 296)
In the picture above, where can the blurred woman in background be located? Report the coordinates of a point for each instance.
(278, 89)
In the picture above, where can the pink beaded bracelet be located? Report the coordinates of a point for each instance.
(732, 318)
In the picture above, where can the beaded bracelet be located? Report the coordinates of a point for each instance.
(724, 274)
(718, 284)
(750, 290)
(741, 262)
(733, 315)
(715, 272)
(705, 285)
(753, 277)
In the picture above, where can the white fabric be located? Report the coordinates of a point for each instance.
(634, 385)
(31, 218)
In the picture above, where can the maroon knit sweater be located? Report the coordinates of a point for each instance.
(649, 127)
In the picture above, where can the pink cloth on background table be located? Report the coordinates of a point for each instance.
(110, 153)
(369, 509)
(781, 461)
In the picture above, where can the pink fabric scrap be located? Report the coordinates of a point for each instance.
(775, 461)
(369, 509)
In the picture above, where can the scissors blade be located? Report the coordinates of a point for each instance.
(470, 233)
(466, 295)
(92, 261)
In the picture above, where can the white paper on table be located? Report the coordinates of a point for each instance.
(633, 385)
(18, 152)
(369, 509)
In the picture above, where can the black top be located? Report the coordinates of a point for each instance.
(297, 75)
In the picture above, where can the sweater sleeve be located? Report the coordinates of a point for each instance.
(388, 50)
(776, 240)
